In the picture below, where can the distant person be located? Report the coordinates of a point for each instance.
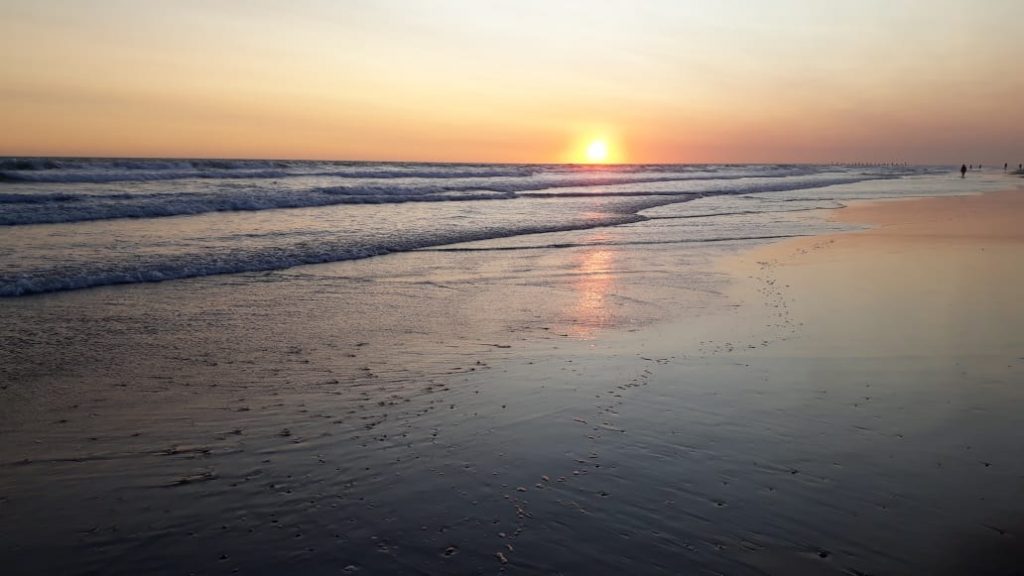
(1006, 167)
(963, 170)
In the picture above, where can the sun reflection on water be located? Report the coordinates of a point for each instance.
(594, 279)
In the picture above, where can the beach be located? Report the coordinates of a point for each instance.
(910, 332)
(512, 288)
(819, 390)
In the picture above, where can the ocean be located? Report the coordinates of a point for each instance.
(69, 224)
(277, 367)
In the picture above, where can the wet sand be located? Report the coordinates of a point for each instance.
(915, 323)
(844, 404)
(932, 277)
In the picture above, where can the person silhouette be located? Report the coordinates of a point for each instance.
(963, 170)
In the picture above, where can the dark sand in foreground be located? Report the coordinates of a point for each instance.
(845, 404)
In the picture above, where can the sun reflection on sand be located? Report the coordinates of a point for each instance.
(594, 278)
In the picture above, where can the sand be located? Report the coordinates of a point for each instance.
(937, 277)
(845, 404)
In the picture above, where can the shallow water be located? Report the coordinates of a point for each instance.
(73, 224)
(507, 405)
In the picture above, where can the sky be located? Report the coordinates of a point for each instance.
(920, 81)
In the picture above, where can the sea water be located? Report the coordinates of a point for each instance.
(356, 368)
(69, 224)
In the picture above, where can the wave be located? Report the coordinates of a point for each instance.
(564, 245)
(142, 176)
(747, 188)
(101, 177)
(24, 209)
(237, 261)
(70, 171)
(89, 170)
(50, 207)
(44, 164)
(548, 200)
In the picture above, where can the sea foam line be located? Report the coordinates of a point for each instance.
(51, 207)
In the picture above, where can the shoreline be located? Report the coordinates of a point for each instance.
(947, 265)
(884, 363)
(428, 411)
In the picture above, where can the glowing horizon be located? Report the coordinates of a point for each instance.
(529, 81)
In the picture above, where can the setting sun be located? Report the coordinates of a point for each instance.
(597, 151)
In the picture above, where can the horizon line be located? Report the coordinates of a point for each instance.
(473, 162)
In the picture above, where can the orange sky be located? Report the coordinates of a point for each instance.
(516, 81)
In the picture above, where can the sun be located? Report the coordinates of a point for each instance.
(597, 151)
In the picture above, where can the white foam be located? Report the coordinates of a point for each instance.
(227, 229)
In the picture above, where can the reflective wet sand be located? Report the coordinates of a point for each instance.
(843, 404)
